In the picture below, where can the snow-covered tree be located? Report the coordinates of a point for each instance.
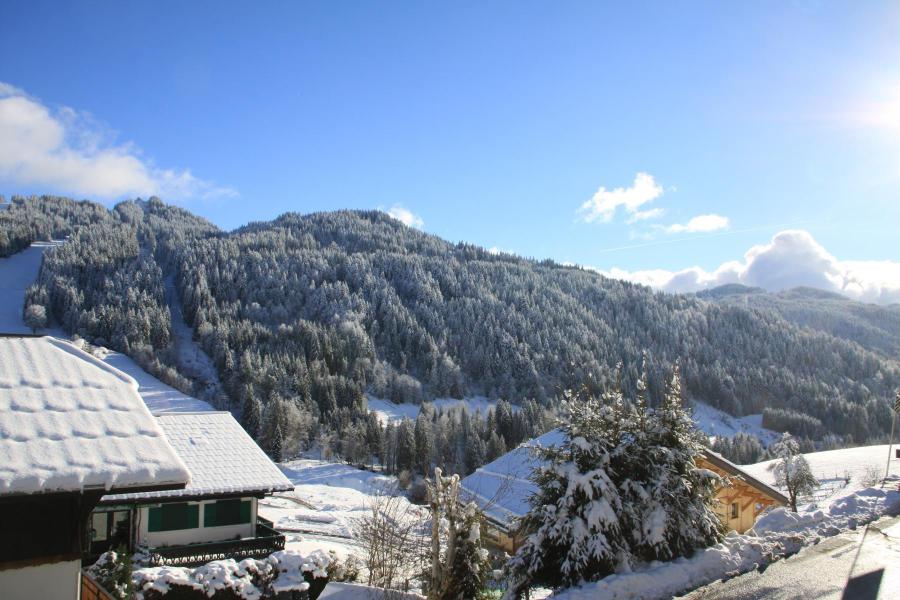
(676, 498)
(35, 317)
(574, 517)
(792, 472)
(458, 561)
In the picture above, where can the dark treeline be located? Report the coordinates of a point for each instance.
(304, 315)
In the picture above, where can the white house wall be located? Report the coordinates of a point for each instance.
(55, 580)
(197, 535)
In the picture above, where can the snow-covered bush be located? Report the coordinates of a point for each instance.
(113, 572)
(249, 579)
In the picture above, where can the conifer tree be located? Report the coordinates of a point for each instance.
(576, 534)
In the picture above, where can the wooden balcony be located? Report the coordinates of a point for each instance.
(266, 541)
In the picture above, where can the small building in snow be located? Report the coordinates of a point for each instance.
(72, 429)
(215, 515)
(502, 490)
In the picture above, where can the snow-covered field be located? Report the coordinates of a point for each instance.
(388, 411)
(839, 471)
(323, 511)
(714, 423)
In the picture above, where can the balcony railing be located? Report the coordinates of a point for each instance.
(266, 541)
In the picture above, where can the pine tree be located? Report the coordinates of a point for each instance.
(424, 444)
(677, 515)
(250, 415)
(576, 535)
(406, 446)
(791, 470)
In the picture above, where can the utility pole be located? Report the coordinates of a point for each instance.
(894, 411)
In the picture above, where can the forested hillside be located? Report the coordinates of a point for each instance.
(313, 311)
(873, 326)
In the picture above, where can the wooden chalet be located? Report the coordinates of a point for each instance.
(72, 429)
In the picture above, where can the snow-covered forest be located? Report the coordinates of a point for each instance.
(304, 315)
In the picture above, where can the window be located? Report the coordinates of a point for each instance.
(170, 517)
(734, 510)
(226, 512)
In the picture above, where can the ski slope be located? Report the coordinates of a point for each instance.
(17, 272)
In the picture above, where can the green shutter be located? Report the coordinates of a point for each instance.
(193, 516)
(226, 512)
(171, 517)
(154, 522)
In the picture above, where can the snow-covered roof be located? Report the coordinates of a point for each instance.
(220, 456)
(69, 422)
(734, 470)
(501, 489)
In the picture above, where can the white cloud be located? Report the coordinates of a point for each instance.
(700, 224)
(793, 258)
(406, 217)
(69, 152)
(603, 205)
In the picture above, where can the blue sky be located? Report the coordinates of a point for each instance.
(490, 122)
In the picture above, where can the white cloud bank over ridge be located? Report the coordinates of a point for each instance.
(793, 258)
(70, 153)
(406, 216)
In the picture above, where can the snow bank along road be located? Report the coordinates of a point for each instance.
(859, 565)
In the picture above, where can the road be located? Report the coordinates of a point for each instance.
(855, 565)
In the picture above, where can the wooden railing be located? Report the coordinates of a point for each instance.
(266, 542)
(91, 590)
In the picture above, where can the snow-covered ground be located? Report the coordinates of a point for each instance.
(323, 511)
(780, 532)
(839, 471)
(388, 411)
(17, 272)
(714, 423)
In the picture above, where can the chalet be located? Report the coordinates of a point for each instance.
(502, 488)
(214, 516)
(72, 429)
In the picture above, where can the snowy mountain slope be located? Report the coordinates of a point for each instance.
(715, 423)
(388, 411)
(17, 272)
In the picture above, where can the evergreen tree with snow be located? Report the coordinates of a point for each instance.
(792, 472)
(469, 571)
(676, 498)
(576, 535)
